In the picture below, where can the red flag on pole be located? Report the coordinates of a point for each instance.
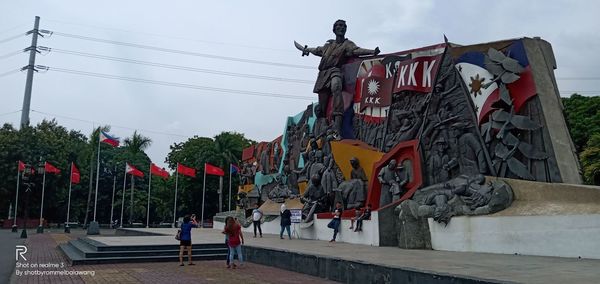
(21, 166)
(186, 171)
(75, 176)
(49, 168)
(155, 170)
(133, 171)
(213, 170)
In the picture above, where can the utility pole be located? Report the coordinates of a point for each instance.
(30, 69)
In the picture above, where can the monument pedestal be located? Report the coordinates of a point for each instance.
(545, 219)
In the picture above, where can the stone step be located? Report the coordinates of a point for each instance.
(152, 253)
(103, 247)
(84, 252)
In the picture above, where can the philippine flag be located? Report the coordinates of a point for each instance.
(105, 138)
(471, 67)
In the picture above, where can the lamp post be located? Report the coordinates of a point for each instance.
(41, 170)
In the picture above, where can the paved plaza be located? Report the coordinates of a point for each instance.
(42, 249)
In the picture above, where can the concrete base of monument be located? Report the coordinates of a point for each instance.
(317, 230)
(545, 219)
(564, 236)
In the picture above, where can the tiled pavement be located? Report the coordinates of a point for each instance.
(42, 249)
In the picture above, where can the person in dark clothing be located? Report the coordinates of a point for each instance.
(286, 221)
(365, 215)
(337, 220)
(257, 215)
(185, 242)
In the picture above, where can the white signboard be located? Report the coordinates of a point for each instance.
(296, 215)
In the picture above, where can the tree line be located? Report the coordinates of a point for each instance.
(49, 141)
(583, 118)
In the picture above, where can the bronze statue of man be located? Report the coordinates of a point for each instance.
(330, 81)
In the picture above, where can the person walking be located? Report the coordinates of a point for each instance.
(256, 217)
(235, 242)
(286, 221)
(336, 221)
(185, 239)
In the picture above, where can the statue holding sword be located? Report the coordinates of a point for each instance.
(329, 83)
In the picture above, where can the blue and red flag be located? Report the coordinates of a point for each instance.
(473, 72)
(105, 138)
(233, 169)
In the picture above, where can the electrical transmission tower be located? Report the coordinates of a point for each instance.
(30, 69)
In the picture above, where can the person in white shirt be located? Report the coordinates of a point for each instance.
(256, 217)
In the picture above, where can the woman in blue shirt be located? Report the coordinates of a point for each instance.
(186, 239)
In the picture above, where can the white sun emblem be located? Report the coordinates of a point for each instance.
(373, 87)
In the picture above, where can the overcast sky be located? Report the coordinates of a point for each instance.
(250, 30)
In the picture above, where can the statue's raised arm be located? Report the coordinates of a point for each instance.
(363, 51)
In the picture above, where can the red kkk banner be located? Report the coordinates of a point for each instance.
(376, 89)
(51, 169)
(213, 170)
(155, 170)
(186, 171)
(75, 176)
(417, 74)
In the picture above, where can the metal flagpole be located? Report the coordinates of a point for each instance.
(131, 201)
(175, 202)
(97, 176)
(203, 192)
(123, 194)
(149, 185)
(17, 197)
(41, 227)
(112, 201)
(220, 194)
(67, 230)
(229, 204)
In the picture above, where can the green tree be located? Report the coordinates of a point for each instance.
(46, 142)
(590, 160)
(583, 118)
(224, 149)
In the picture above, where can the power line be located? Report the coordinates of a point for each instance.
(7, 113)
(178, 67)
(173, 84)
(183, 52)
(11, 38)
(112, 125)
(10, 54)
(569, 91)
(14, 27)
(578, 78)
(173, 37)
(10, 72)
